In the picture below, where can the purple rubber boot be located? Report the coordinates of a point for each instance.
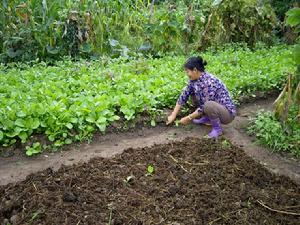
(216, 128)
(203, 120)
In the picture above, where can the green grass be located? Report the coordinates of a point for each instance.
(72, 100)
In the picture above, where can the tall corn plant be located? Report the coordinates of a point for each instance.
(40, 25)
(247, 21)
(28, 27)
(118, 20)
(290, 95)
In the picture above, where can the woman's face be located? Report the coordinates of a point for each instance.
(193, 74)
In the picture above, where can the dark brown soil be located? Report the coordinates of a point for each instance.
(195, 182)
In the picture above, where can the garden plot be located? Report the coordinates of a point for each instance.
(195, 181)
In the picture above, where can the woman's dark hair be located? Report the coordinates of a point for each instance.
(195, 62)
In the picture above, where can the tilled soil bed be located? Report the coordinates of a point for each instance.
(194, 182)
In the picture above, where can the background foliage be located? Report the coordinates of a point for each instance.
(280, 130)
(49, 29)
(269, 132)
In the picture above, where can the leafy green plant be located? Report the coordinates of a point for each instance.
(48, 30)
(281, 131)
(177, 122)
(150, 170)
(248, 21)
(70, 101)
(270, 132)
(225, 144)
(153, 123)
(35, 215)
(36, 148)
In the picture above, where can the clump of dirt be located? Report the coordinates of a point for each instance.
(194, 182)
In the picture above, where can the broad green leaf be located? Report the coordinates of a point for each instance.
(216, 2)
(69, 125)
(11, 134)
(51, 138)
(20, 122)
(153, 123)
(101, 127)
(115, 117)
(1, 135)
(35, 123)
(7, 123)
(58, 143)
(293, 17)
(68, 141)
(297, 54)
(17, 130)
(36, 145)
(90, 128)
(43, 124)
(101, 120)
(29, 152)
(23, 136)
(90, 119)
(21, 114)
(74, 120)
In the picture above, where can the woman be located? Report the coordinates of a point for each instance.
(215, 106)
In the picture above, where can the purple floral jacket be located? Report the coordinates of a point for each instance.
(207, 88)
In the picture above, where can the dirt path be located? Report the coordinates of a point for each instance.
(16, 168)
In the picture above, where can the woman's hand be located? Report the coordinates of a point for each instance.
(171, 118)
(185, 120)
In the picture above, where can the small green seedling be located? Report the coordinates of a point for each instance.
(177, 122)
(150, 170)
(35, 215)
(153, 123)
(36, 148)
(225, 144)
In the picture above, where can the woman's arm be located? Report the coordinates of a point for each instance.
(180, 102)
(176, 109)
(174, 114)
(184, 97)
(186, 120)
